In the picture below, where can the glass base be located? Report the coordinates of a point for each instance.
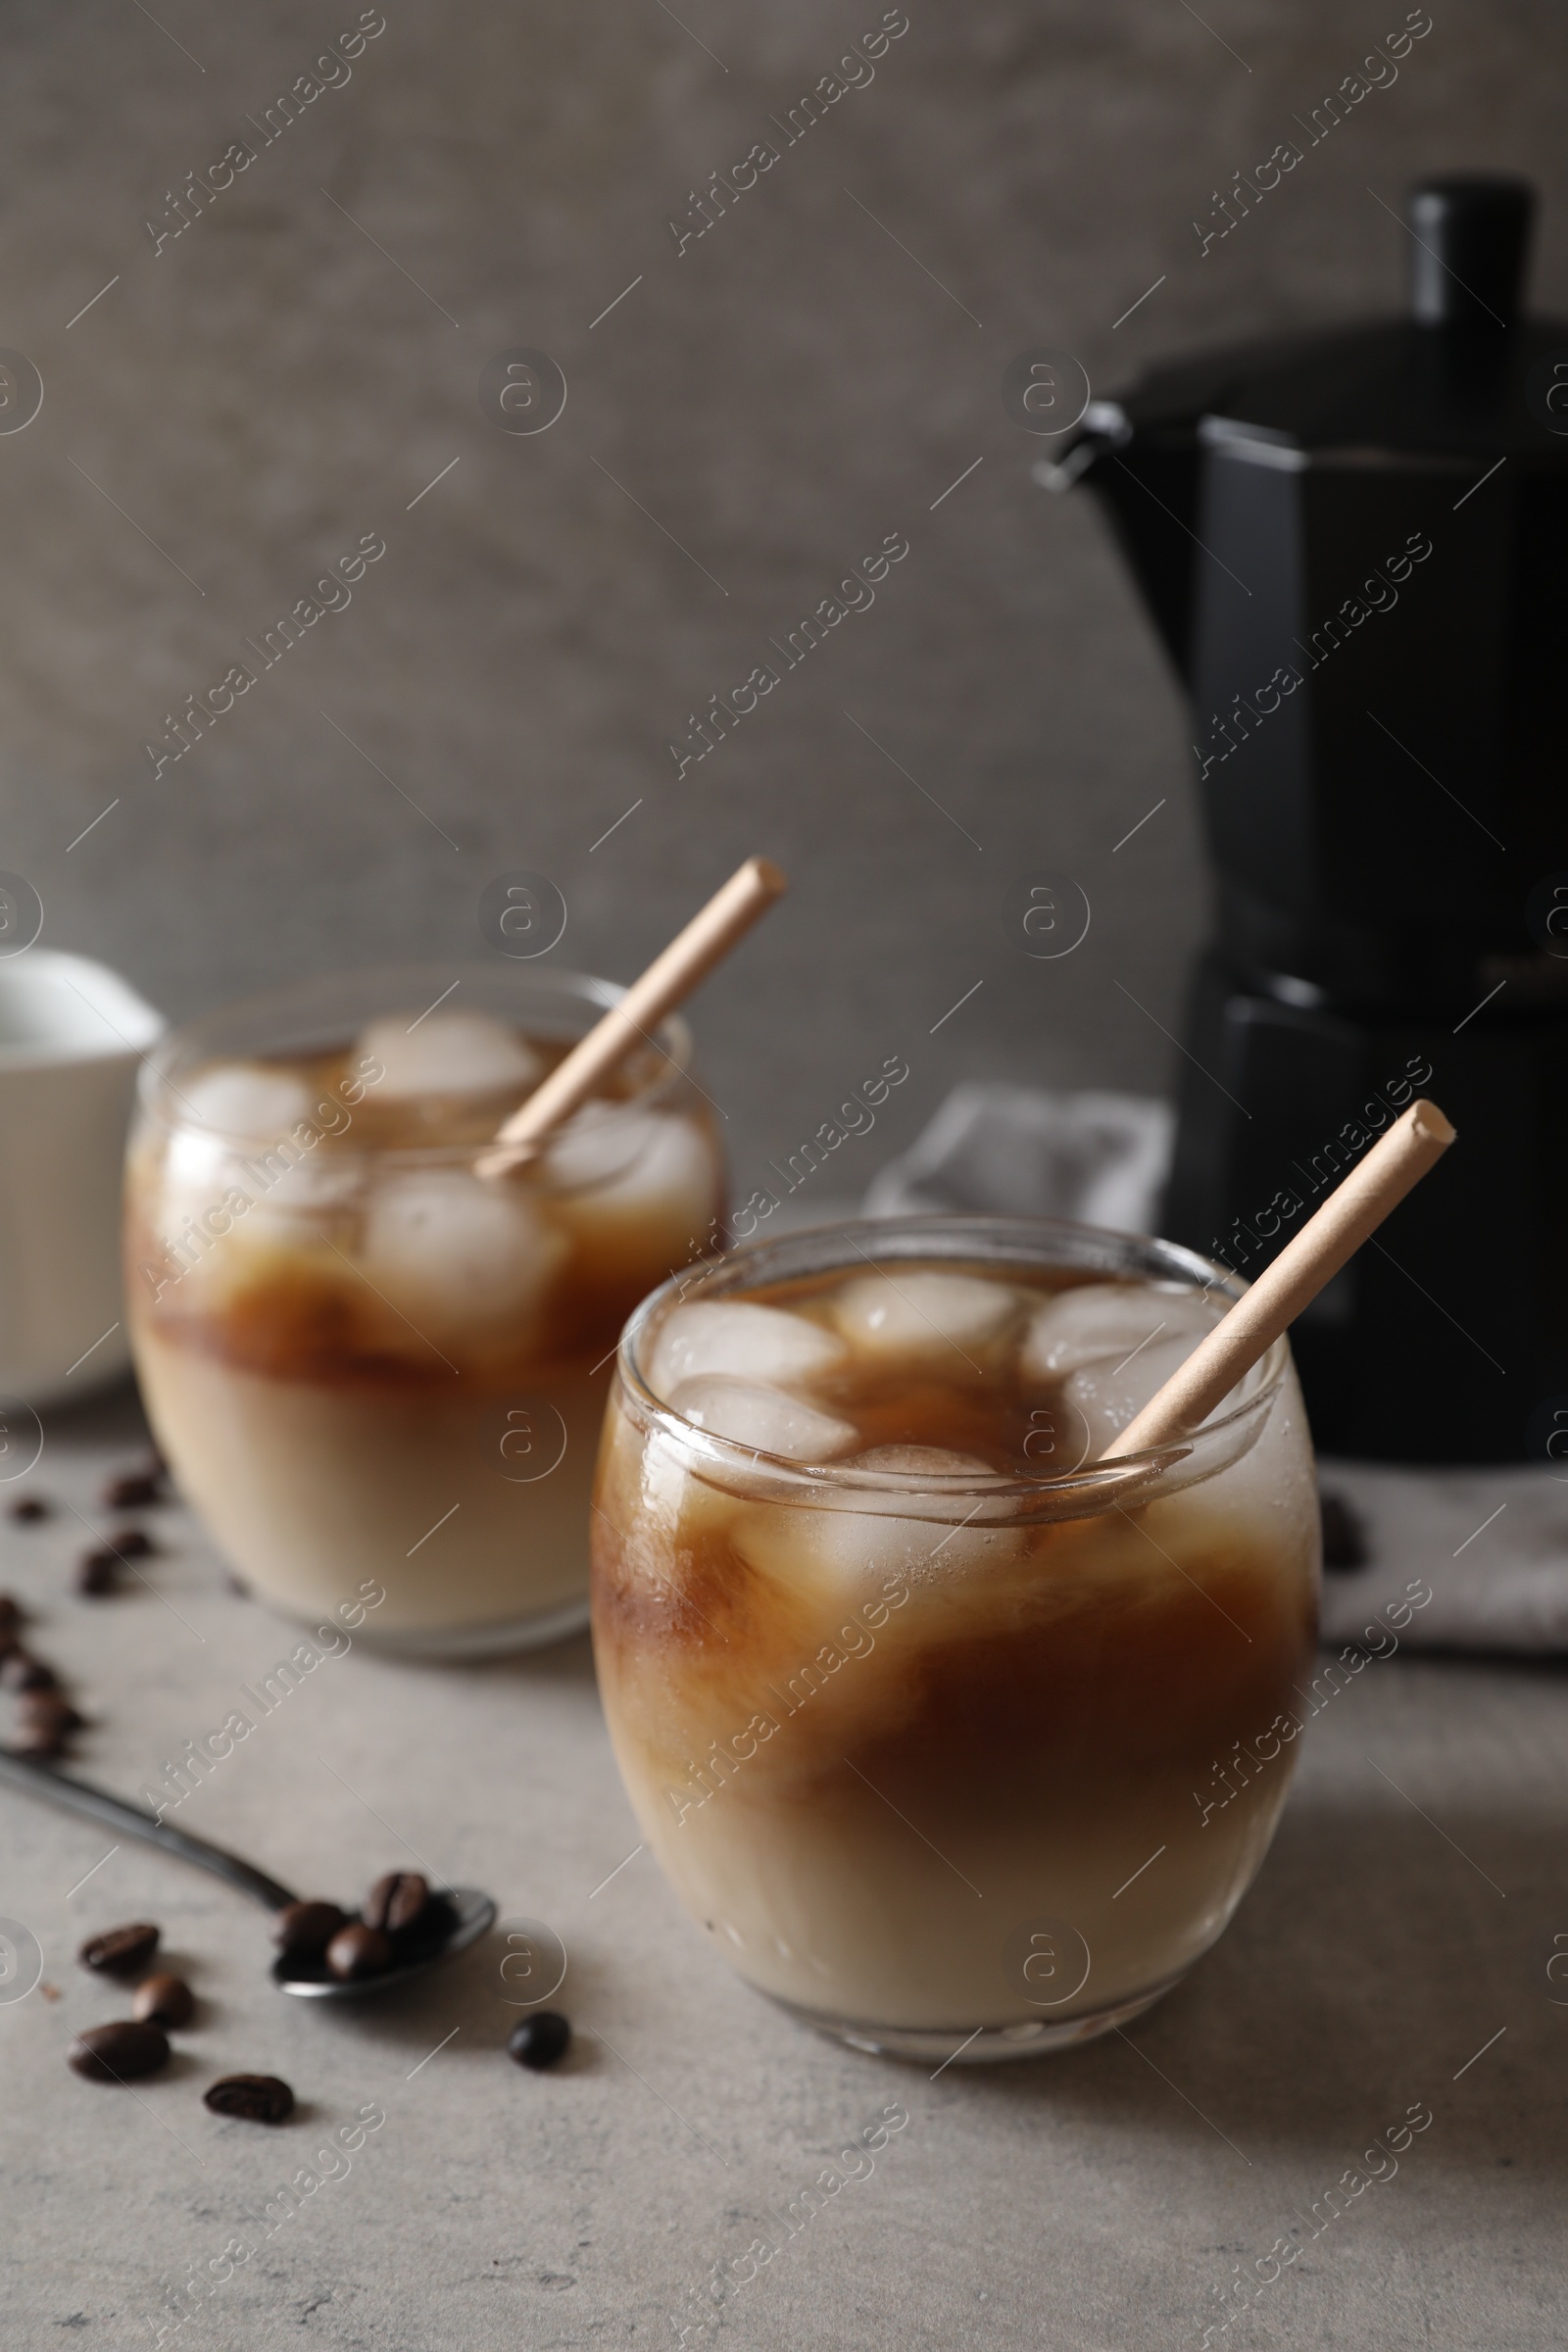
(985, 2045)
(456, 1643)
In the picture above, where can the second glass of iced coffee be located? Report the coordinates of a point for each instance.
(363, 1359)
(952, 1737)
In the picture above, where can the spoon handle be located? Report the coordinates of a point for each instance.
(79, 1797)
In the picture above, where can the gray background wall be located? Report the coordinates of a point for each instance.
(270, 385)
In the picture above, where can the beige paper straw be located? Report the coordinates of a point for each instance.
(668, 980)
(1355, 1208)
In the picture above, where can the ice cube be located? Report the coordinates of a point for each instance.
(599, 1143)
(244, 1099)
(312, 1195)
(1108, 1320)
(1109, 1394)
(230, 1115)
(750, 1343)
(453, 1253)
(615, 1163)
(822, 1549)
(767, 1419)
(197, 1170)
(451, 1053)
(915, 1313)
(917, 1462)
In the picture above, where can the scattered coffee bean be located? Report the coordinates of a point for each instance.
(46, 1743)
(539, 2041)
(236, 1585)
(119, 2053)
(398, 1903)
(45, 1724)
(120, 1951)
(30, 1508)
(131, 1544)
(303, 1931)
(166, 2002)
(10, 1619)
(1344, 1543)
(19, 1670)
(133, 1491)
(358, 1951)
(49, 1706)
(97, 1573)
(257, 2098)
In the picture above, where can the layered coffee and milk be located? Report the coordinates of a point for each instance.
(919, 1720)
(362, 1357)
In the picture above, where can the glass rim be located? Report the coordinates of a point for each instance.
(158, 1096)
(1026, 1241)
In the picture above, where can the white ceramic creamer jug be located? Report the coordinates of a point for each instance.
(72, 1036)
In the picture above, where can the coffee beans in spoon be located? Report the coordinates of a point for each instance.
(398, 1903)
(399, 1918)
(303, 1931)
(358, 1951)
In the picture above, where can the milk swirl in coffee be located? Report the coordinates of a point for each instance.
(911, 1711)
(362, 1357)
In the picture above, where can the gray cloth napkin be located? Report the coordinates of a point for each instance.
(1457, 1559)
(1490, 1547)
(1011, 1150)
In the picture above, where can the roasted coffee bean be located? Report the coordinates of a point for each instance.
(133, 1490)
(19, 1670)
(166, 2002)
(10, 1619)
(120, 1951)
(46, 1743)
(131, 1544)
(397, 1902)
(1344, 1543)
(30, 1508)
(49, 1706)
(538, 2042)
(119, 2053)
(358, 1951)
(45, 1724)
(236, 1585)
(97, 1573)
(257, 2098)
(304, 1930)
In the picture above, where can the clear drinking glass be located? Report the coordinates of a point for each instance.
(979, 1755)
(366, 1363)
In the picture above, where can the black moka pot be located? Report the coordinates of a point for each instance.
(1354, 546)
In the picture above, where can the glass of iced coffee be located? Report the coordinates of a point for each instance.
(365, 1360)
(944, 1733)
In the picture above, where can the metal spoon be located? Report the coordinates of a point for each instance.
(469, 1914)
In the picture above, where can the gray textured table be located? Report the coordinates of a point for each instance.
(1111, 2197)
